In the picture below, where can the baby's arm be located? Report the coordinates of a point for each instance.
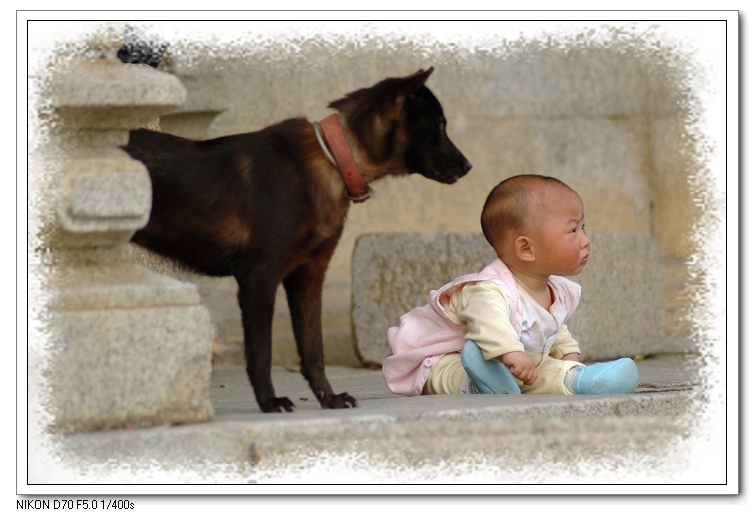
(565, 347)
(484, 307)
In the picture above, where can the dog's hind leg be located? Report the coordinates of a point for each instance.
(304, 291)
(257, 302)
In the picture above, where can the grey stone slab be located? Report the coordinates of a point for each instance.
(127, 347)
(468, 252)
(97, 86)
(137, 367)
(391, 273)
(622, 309)
(118, 286)
(401, 435)
(112, 95)
(532, 79)
(395, 437)
(230, 390)
(603, 427)
(621, 312)
(111, 192)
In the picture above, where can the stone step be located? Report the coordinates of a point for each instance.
(411, 439)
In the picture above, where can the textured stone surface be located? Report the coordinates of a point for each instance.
(104, 191)
(130, 367)
(647, 432)
(106, 95)
(118, 285)
(206, 98)
(391, 274)
(607, 119)
(127, 347)
(621, 312)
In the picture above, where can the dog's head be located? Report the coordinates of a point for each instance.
(400, 124)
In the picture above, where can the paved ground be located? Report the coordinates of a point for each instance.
(233, 399)
(393, 439)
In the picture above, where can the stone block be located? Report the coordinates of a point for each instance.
(621, 312)
(391, 273)
(127, 347)
(130, 367)
(466, 251)
(107, 96)
(206, 99)
(682, 209)
(104, 192)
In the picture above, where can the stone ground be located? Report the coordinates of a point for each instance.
(397, 440)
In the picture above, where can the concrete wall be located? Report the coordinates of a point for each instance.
(609, 119)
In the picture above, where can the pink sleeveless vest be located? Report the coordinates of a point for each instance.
(428, 332)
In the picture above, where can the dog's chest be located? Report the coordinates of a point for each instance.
(328, 221)
(329, 204)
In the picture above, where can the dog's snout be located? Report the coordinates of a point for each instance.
(467, 165)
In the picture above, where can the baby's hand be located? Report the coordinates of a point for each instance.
(521, 366)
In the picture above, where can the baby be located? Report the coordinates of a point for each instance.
(503, 330)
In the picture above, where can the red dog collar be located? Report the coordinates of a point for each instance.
(356, 189)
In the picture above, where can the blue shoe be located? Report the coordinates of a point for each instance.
(489, 376)
(619, 376)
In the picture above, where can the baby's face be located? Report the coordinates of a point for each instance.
(560, 240)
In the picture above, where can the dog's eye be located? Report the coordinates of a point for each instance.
(442, 125)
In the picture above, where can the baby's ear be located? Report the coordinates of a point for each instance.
(523, 249)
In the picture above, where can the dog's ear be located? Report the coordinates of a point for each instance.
(413, 82)
(375, 113)
(391, 90)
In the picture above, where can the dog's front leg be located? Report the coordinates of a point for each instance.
(304, 292)
(257, 302)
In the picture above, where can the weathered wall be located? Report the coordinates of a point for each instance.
(608, 118)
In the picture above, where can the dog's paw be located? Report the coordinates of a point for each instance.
(278, 405)
(340, 401)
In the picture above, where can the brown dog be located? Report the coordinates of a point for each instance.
(269, 207)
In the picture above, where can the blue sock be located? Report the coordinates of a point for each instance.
(619, 376)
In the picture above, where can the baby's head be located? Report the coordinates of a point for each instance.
(537, 221)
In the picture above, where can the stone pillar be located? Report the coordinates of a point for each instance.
(207, 97)
(127, 347)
